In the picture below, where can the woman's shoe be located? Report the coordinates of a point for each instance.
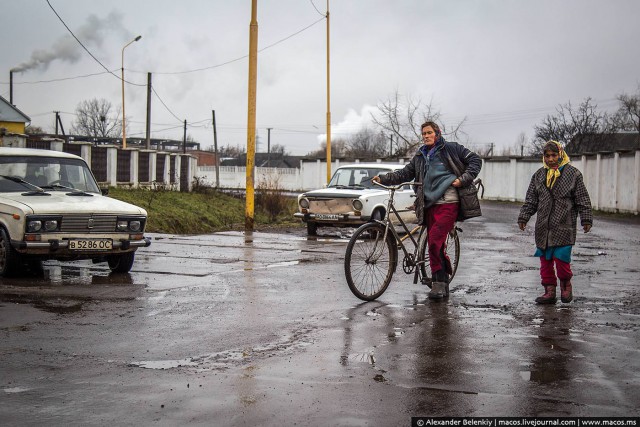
(566, 293)
(549, 296)
(438, 290)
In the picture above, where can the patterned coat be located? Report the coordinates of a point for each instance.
(557, 208)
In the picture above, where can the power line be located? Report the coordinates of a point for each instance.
(165, 105)
(314, 6)
(236, 59)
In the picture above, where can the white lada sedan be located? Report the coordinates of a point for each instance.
(350, 199)
(52, 208)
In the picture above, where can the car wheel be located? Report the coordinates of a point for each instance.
(312, 229)
(9, 258)
(121, 263)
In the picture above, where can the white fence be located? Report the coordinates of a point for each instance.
(612, 179)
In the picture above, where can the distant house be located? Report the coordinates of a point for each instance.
(592, 144)
(12, 124)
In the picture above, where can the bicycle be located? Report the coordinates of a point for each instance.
(371, 257)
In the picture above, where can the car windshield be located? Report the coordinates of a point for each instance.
(48, 173)
(355, 177)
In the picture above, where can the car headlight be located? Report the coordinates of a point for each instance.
(129, 224)
(34, 226)
(43, 224)
(304, 203)
(51, 225)
(357, 204)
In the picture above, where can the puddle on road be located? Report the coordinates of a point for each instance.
(491, 311)
(367, 356)
(164, 364)
(16, 390)
(296, 341)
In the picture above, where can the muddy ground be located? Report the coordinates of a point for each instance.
(215, 330)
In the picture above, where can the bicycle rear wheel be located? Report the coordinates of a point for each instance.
(370, 261)
(452, 250)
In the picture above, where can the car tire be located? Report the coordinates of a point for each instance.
(9, 258)
(312, 229)
(121, 263)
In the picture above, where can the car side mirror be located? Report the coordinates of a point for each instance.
(104, 191)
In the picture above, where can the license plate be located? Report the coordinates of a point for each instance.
(90, 245)
(328, 217)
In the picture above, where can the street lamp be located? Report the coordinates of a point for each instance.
(124, 126)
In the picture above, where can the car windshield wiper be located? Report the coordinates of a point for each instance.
(19, 180)
(74, 191)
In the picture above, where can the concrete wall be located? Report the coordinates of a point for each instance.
(612, 179)
(185, 166)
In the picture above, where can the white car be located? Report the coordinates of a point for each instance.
(350, 199)
(52, 208)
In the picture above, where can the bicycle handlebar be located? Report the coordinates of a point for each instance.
(396, 187)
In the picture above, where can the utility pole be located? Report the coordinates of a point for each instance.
(184, 138)
(328, 104)
(269, 147)
(391, 145)
(59, 121)
(11, 87)
(251, 121)
(215, 148)
(148, 111)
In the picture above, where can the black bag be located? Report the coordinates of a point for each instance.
(468, 197)
(469, 203)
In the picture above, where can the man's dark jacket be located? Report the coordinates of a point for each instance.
(465, 160)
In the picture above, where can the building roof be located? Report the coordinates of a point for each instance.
(9, 113)
(593, 143)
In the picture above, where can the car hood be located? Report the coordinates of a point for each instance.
(338, 193)
(60, 202)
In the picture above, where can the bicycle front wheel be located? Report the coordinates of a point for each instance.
(370, 261)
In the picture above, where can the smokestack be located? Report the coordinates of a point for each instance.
(11, 87)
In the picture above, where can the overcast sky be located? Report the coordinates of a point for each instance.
(502, 64)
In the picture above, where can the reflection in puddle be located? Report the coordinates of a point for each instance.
(366, 356)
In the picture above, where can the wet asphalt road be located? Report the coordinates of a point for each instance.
(210, 330)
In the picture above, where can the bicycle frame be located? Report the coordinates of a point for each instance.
(387, 223)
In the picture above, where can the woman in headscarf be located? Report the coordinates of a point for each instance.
(558, 194)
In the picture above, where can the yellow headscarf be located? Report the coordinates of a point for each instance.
(554, 173)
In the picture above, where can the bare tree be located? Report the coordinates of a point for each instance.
(279, 149)
(337, 149)
(33, 130)
(570, 122)
(628, 115)
(402, 117)
(229, 151)
(96, 118)
(367, 144)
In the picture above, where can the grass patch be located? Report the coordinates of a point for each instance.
(201, 212)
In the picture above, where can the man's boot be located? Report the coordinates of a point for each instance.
(549, 296)
(566, 293)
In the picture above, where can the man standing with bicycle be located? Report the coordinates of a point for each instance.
(437, 201)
